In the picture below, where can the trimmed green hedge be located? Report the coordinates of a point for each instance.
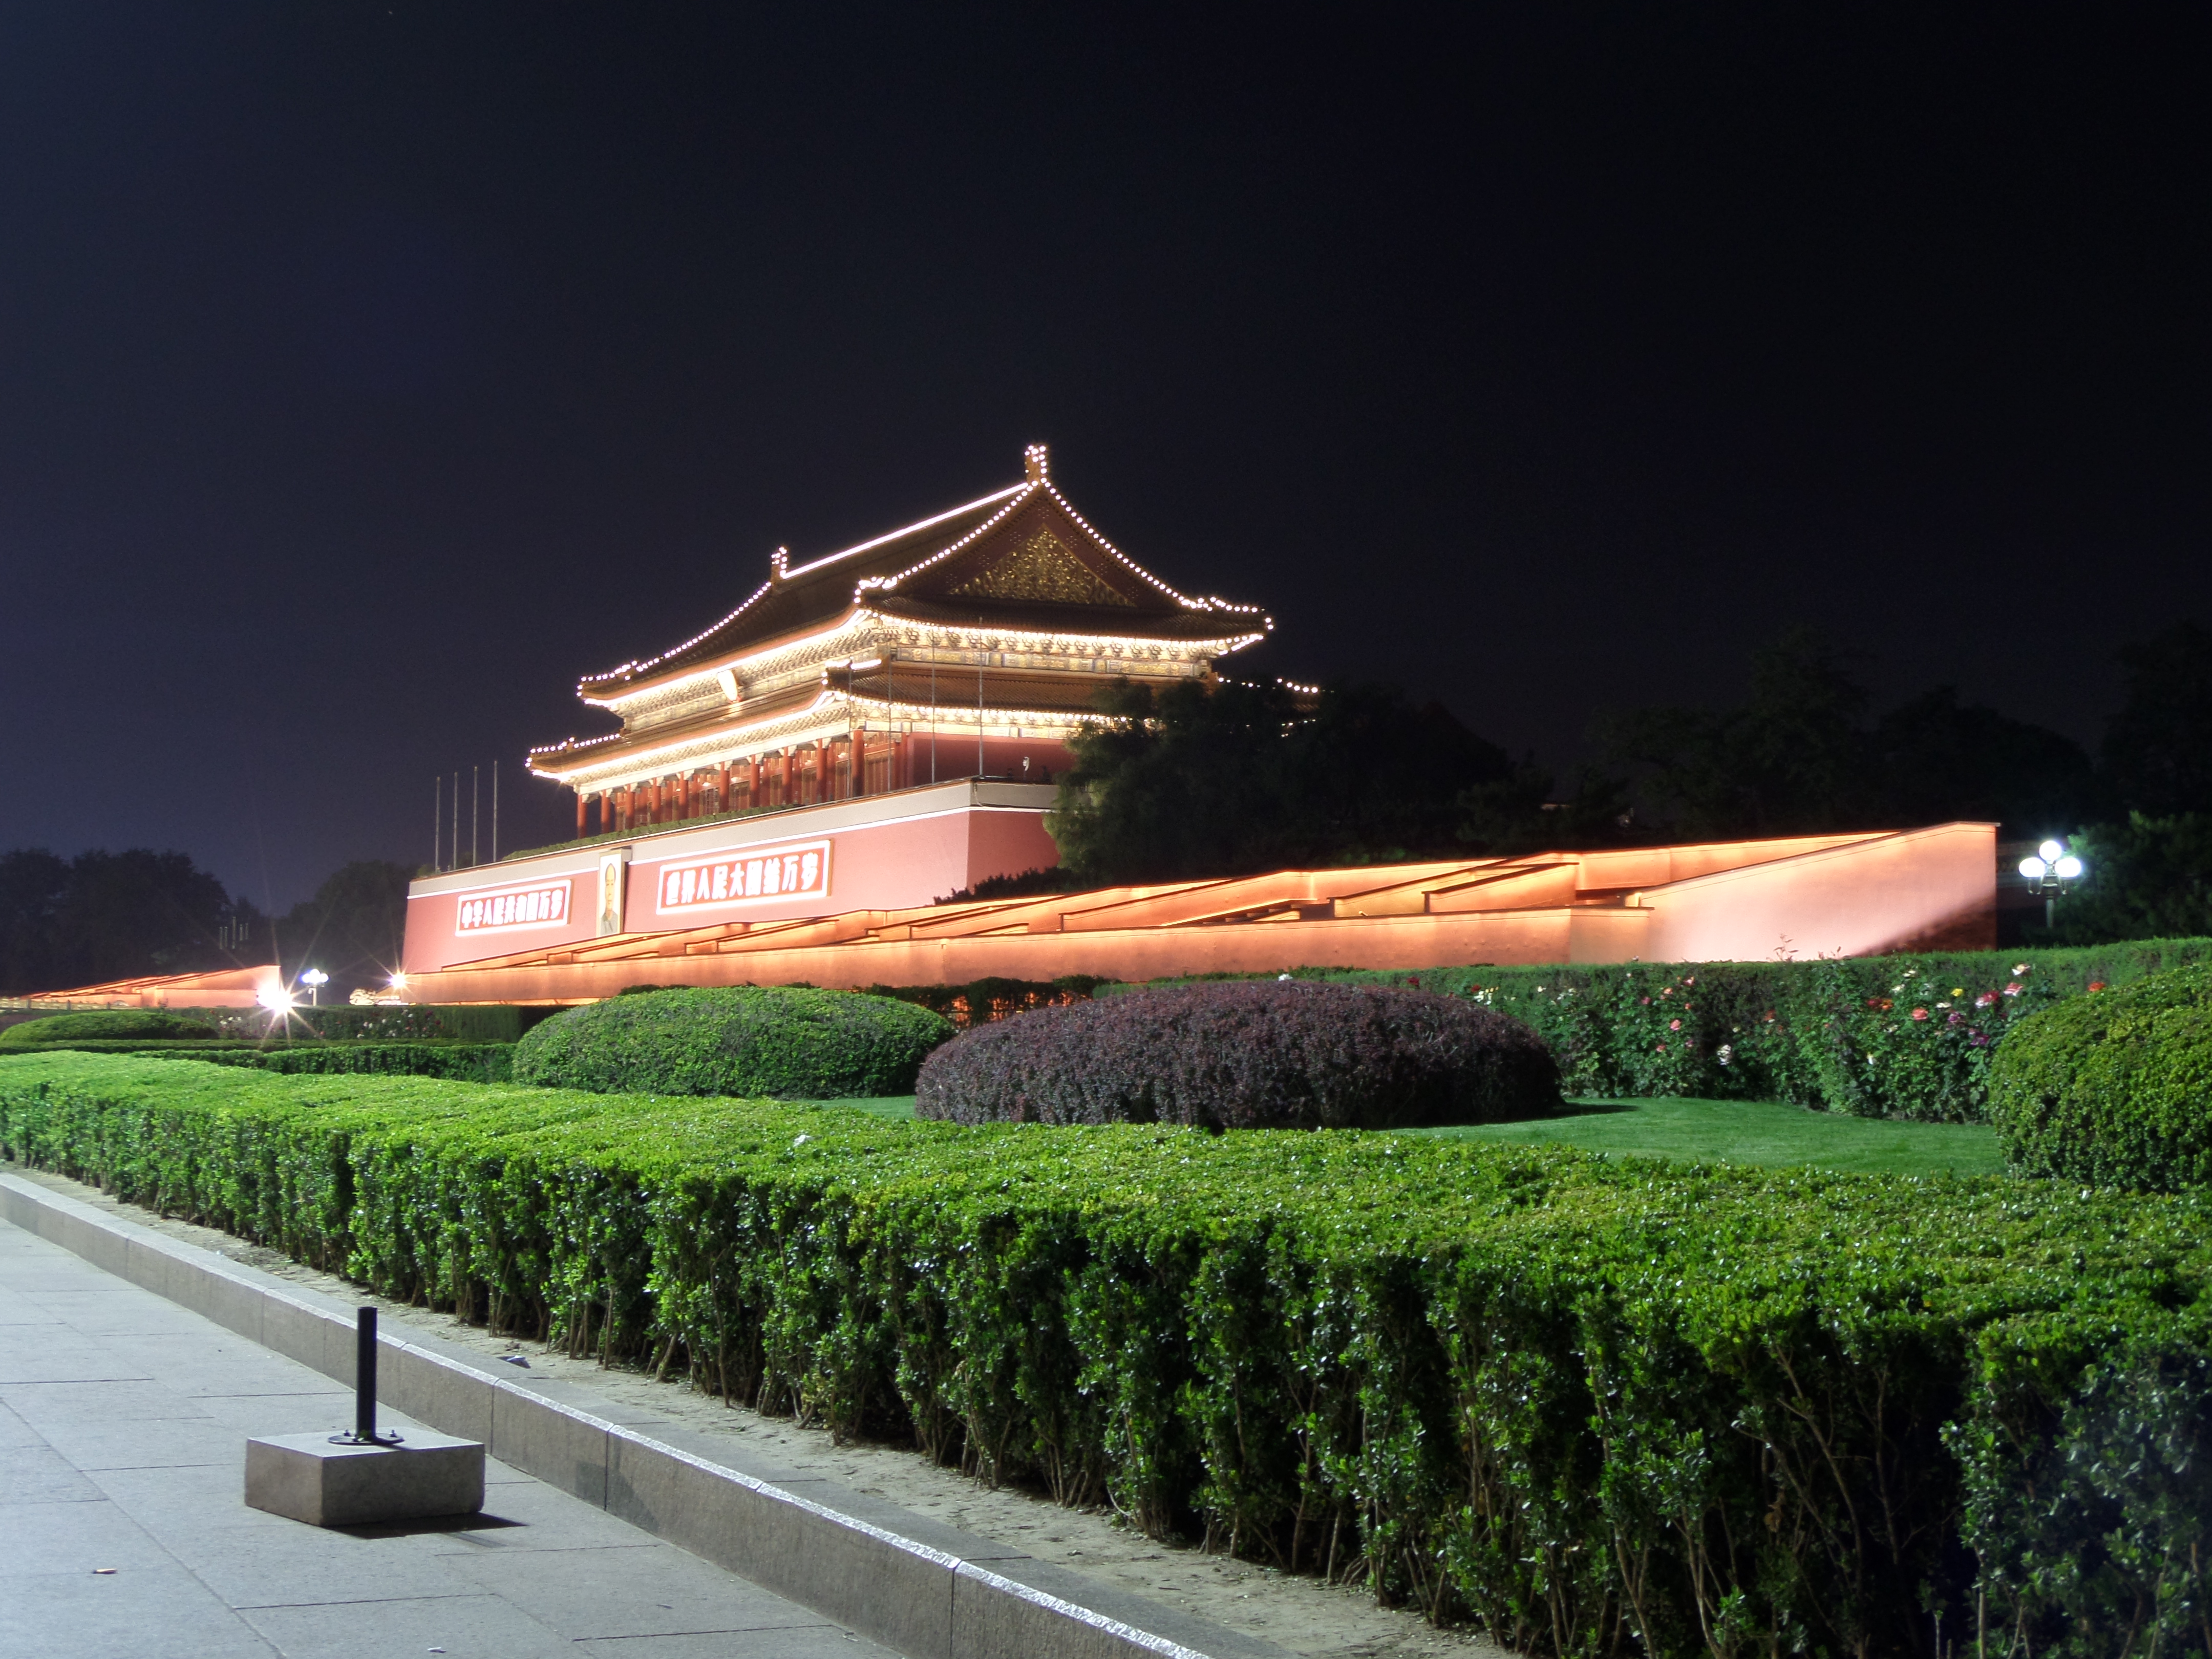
(744, 1040)
(2116, 1088)
(341, 1022)
(1906, 1036)
(469, 1062)
(1604, 1407)
(464, 1063)
(137, 1024)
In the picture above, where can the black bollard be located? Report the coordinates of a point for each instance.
(364, 1376)
(364, 1388)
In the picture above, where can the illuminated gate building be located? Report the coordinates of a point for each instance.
(968, 645)
(873, 729)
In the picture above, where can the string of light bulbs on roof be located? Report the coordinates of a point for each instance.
(857, 627)
(747, 743)
(778, 561)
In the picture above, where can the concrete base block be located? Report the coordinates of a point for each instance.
(309, 1478)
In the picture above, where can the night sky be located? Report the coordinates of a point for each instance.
(368, 373)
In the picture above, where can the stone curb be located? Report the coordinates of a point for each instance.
(923, 1601)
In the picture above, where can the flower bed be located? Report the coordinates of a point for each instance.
(1879, 1037)
(1604, 1407)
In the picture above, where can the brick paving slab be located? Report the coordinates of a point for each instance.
(123, 1529)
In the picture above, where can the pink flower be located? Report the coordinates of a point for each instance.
(1920, 1013)
(2014, 989)
(2096, 985)
(1673, 1024)
(1987, 1000)
(1956, 1019)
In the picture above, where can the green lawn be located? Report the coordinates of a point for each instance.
(1755, 1131)
(1704, 1131)
(875, 1105)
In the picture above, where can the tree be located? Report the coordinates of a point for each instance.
(2147, 879)
(1791, 760)
(1798, 756)
(1937, 762)
(106, 916)
(1519, 813)
(2158, 749)
(353, 929)
(33, 883)
(1227, 779)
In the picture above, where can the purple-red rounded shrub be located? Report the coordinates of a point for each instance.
(1278, 1054)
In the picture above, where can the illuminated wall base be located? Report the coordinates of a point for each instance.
(1855, 894)
(877, 852)
(224, 987)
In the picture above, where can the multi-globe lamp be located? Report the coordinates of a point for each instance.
(2049, 870)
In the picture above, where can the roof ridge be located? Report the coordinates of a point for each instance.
(919, 523)
(784, 575)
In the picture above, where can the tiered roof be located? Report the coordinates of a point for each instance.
(1020, 560)
(1020, 556)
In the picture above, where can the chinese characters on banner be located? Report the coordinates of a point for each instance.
(798, 870)
(544, 905)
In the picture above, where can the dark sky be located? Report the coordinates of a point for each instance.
(367, 373)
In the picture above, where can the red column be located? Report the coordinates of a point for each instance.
(857, 746)
(579, 814)
(722, 787)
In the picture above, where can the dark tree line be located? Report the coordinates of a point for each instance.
(101, 916)
(1190, 782)
(106, 916)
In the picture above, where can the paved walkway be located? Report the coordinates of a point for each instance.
(123, 1531)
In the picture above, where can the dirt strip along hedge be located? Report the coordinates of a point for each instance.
(1601, 1406)
(1838, 1034)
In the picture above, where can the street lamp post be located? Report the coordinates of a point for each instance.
(2049, 869)
(314, 979)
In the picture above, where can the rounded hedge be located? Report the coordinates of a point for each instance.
(1283, 1055)
(792, 1043)
(139, 1024)
(2114, 1089)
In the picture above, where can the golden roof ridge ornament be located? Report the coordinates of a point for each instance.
(1037, 464)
